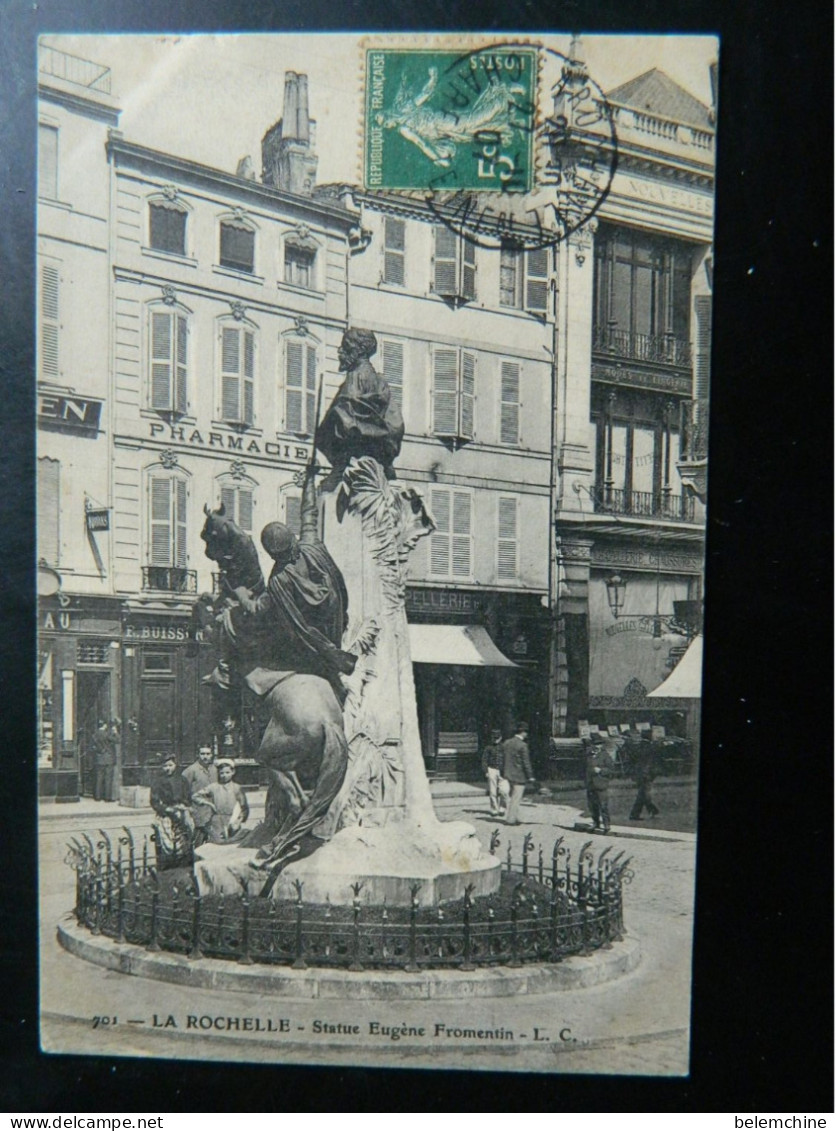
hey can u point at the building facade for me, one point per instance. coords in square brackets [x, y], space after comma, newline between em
[631, 389]
[555, 402]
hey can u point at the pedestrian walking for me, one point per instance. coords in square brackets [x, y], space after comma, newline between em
[644, 771]
[598, 771]
[516, 767]
[492, 769]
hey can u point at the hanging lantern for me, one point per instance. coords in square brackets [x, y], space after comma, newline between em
[616, 588]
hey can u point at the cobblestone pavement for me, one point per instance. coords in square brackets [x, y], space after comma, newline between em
[637, 1024]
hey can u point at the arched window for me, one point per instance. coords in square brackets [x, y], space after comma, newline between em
[300, 258]
[237, 494]
[168, 358]
[237, 243]
[167, 218]
[237, 365]
[167, 506]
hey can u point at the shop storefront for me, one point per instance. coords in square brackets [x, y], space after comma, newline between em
[79, 678]
[480, 662]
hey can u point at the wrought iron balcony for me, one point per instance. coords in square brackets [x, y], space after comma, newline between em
[645, 504]
[658, 349]
[71, 68]
[169, 579]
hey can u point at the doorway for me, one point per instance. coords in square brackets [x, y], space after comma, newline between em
[92, 707]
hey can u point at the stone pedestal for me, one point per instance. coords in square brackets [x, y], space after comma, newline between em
[381, 829]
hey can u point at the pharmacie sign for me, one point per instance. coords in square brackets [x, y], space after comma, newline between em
[224, 441]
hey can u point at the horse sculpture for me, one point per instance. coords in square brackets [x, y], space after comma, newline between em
[303, 745]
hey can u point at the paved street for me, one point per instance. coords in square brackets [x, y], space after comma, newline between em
[637, 1024]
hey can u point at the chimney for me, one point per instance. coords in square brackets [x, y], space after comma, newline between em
[287, 154]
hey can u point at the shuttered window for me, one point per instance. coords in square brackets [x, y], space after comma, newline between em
[300, 387]
[702, 362]
[394, 251]
[507, 539]
[168, 520]
[49, 356]
[537, 280]
[298, 266]
[48, 162]
[237, 374]
[237, 247]
[167, 229]
[454, 392]
[509, 408]
[238, 505]
[451, 543]
[454, 265]
[49, 510]
[392, 359]
[169, 334]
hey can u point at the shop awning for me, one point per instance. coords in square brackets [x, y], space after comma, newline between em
[465, 644]
[685, 681]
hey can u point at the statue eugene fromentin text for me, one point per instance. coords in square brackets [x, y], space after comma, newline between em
[324, 649]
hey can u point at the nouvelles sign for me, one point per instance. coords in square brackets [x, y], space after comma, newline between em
[61, 410]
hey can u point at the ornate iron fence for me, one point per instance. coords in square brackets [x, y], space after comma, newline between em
[549, 907]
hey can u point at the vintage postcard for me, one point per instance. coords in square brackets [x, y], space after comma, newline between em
[372, 400]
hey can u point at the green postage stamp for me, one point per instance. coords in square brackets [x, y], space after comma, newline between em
[438, 119]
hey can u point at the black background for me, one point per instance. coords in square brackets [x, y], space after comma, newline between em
[763, 978]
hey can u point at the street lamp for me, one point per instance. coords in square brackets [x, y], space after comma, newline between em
[616, 588]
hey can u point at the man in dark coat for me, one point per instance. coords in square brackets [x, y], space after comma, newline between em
[170, 797]
[598, 770]
[363, 420]
[104, 760]
[643, 769]
[516, 768]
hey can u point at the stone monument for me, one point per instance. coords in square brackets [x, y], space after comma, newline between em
[380, 832]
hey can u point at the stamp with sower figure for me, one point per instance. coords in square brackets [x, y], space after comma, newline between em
[505, 141]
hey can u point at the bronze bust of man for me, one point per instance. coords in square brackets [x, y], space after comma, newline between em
[362, 420]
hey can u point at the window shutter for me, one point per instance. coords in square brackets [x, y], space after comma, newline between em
[49, 320]
[445, 271]
[393, 368]
[49, 509]
[461, 534]
[48, 162]
[310, 389]
[468, 395]
[702, 362]
[230, 373]
[293, 386]
[245, 509]
[509, 424]
[394, 248]
[181, 388]
[180, 522]
[228, 495]
[440, 539]
[507, 540]
[249, 367]
[537, 280]
[445, 391]
[468, 269]
[161, 360]
[161, 521]
[293, 513]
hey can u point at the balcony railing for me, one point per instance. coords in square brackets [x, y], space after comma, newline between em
[660, 349]
[71, 68]
[645, 504]
[169, 579]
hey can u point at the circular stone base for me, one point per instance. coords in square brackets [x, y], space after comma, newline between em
[366, 985]
[441, 858]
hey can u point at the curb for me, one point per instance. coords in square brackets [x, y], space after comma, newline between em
[373, 985]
